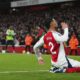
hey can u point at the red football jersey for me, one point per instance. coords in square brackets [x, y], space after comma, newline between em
[53, 46]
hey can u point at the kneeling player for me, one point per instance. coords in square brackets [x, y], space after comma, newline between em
[54, 41]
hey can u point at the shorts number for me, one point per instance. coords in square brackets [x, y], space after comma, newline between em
[52, 47]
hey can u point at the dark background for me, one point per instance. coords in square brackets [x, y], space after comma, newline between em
[6, 3]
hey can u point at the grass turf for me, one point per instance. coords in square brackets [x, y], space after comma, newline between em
[24, 62]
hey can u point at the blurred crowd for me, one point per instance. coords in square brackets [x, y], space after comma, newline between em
[32, 22]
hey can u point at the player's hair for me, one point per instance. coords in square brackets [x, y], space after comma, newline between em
[47, 22]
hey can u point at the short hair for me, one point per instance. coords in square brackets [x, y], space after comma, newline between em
[47, 22]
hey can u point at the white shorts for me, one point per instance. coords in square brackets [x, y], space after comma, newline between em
[61, 64]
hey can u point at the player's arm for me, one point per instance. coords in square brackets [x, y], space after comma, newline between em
[37, 52]
[8, 32]
[13, 33]
[64, 37]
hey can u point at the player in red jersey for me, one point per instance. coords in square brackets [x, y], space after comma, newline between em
[54, 41]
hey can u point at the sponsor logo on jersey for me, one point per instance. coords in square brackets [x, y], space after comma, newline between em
[49, 38]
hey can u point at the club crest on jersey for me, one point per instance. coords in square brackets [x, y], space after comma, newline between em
[49, 38]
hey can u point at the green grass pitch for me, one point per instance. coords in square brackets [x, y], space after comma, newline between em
[25, 67]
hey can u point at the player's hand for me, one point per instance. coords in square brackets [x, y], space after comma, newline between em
[40, 60]
[64, 25]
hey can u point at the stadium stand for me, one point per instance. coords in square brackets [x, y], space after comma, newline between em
[27, 20]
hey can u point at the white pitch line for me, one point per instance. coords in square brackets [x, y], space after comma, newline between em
[7, 72]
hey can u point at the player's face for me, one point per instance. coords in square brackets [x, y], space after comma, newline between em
[53, 24]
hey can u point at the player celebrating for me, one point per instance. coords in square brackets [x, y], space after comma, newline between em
[54, 41]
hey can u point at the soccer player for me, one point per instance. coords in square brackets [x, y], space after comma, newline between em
[54, 40]
[10, 38]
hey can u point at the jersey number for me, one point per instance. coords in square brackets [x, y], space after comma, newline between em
[52, 47]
